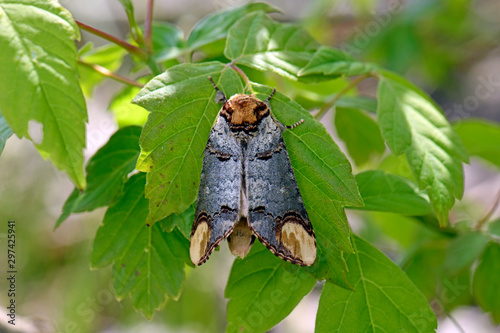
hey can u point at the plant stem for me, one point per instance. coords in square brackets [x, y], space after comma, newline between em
[148, 27]
[135, 32]
[129, 47]
[322, 111]
[488, 214]
[107, 73]
[242, 74]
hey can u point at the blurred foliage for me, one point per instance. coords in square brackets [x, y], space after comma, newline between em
[434, 42]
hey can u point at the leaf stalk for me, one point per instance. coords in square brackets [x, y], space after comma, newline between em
[105, 72]
[324, 109]
[127, 46]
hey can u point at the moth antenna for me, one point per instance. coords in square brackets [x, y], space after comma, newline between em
[295, 125]
[270, 96]
[220, 97]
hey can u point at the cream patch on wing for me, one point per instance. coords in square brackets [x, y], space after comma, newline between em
[300, 244]
[199, 241]
[240, 241]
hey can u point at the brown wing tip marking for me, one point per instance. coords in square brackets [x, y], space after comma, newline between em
[297, 238]
[299, 242]
[199, 240]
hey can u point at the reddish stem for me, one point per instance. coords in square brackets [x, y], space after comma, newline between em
[104, 71]
[148, 27]
[129, 47]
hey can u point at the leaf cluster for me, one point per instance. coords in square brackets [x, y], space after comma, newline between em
[147, 174]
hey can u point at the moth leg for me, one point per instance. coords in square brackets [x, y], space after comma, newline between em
[219, 97]
[269, 98]
[294, 125]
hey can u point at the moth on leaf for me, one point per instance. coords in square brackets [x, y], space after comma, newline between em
[247, 187]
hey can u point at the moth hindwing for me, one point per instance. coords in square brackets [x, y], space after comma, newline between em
[248, 189]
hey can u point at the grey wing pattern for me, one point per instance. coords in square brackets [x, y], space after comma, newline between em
[276, 212]
[218, 203]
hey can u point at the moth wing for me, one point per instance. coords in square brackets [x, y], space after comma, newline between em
[276, 211]
[217, 209]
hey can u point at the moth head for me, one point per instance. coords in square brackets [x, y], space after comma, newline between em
[244, 112]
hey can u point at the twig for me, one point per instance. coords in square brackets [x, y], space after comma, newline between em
[322, 111]
[242, 74]
[488, 213]
[129, 47]
[105, 72]
[148, 27]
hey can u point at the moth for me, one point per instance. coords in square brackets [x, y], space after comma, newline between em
[247, 188]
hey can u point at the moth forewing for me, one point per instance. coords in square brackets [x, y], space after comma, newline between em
[219, 193]
[248, 189]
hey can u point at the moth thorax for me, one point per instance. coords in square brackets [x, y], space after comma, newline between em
[244, 112]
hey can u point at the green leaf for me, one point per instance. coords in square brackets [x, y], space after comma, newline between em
[358, 102]
[183, 110]
[135, 31]
[183, 222]
[258, 42]
[383, 299]
[39, 81]
[494, 228]
[127, 4]
[109, 56]
[107, 171]
[480, 138]
[333, 62]
[126, 113]
[67, 208]
[412, 124]
[486, 284]
[424, 266]
[216, 26]
[168, 42]
[86, 48]
[262, 292]
[386, 192]
[464, 250]
[123, 221]
[360, 134]
[5, 132]
[330, 264]
[148, 263]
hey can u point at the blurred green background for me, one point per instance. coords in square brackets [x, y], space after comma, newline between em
[447, 47]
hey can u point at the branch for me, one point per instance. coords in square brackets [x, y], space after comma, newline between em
[334, 100]
[148, 27]
[242, 74]
[129, 47]
[488, 214]
[107, 73]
